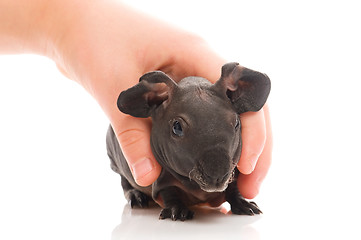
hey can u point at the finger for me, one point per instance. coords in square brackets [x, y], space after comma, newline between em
[208, 64]
[62, 70]
[253, 140]
[198, 59]
[249, 185]
[134, 139]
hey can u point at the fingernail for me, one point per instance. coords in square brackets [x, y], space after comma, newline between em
[142, 168]
[248, 166]
[252, 160]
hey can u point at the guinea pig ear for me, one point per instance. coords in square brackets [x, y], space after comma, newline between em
[247, 89]
[152, 90]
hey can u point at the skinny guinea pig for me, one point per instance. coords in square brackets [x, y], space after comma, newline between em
[196, 138]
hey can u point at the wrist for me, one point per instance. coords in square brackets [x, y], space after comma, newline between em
[61, 18]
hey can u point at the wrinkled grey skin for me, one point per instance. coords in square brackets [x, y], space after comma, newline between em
[199, 163]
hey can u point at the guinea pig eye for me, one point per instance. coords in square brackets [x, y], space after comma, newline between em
[237, 123]
[177, 129]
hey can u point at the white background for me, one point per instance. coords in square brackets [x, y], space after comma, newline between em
[55, 179]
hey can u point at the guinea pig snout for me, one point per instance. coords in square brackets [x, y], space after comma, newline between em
[215, 163]
[214, 170]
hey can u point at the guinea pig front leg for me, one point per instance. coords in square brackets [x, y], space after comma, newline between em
[174, 208]
[239, 205]
[134, 196]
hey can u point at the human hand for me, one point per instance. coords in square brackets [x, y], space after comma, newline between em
[109, 46]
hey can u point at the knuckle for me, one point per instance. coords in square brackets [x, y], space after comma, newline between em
[130, 138]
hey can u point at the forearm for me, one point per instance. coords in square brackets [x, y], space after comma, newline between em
[22, 26]
[77, 35]
[102, 44]
[36, 26]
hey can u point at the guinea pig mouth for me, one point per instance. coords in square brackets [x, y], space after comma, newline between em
[207, 184]
[214, 188]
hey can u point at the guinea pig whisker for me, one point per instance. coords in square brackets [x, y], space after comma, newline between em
[232, 177]
[190, 173]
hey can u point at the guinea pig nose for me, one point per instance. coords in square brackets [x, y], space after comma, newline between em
[223, 178]
[216, 164]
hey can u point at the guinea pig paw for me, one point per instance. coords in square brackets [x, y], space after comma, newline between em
[139, 199]
[176, 213]
[243, 207]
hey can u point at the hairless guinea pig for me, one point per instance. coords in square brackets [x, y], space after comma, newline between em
[196, 138]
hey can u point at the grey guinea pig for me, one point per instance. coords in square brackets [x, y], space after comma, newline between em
[195, 137]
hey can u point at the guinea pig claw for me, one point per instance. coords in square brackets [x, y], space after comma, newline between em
[243, 207]
[138, 199]
[254, 203]
[176, 213]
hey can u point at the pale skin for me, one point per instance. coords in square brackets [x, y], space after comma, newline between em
[106, 46]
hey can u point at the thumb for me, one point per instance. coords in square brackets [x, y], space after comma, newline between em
[134, 139]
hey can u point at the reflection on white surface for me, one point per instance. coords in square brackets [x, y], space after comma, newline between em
[289, 218]
[207, 224]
